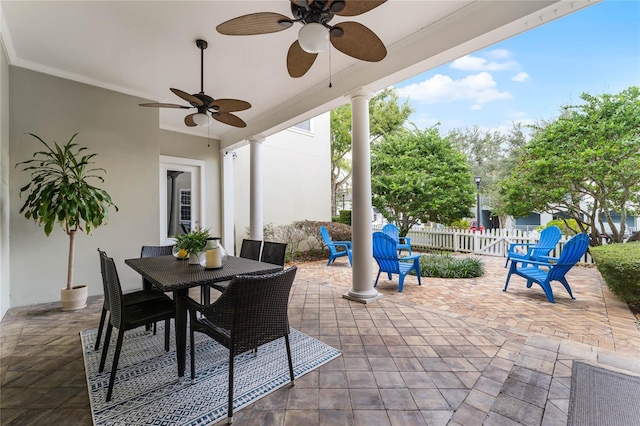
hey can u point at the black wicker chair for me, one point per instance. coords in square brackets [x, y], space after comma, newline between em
[274, 253]
[127, 317]
[129, 298]
[251, 249]
[252, 311]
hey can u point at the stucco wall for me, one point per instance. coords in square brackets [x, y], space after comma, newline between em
[128, 143]
[296, 171]
[4, 183]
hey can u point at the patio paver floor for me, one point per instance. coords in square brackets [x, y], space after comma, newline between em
[451, 352]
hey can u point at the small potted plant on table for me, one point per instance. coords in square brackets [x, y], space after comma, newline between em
[191, 244]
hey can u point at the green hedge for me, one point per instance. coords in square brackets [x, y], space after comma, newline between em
[345, 217]
[619, 265]
[445, 266]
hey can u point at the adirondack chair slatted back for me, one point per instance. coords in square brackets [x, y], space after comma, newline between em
[572, 251]
[549, 237]
[327, 240]
[385, 252]
[392, 230]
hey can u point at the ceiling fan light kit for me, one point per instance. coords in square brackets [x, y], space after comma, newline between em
[351, 38]
[201, 119]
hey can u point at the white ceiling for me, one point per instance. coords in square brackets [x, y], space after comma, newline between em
[143, 48]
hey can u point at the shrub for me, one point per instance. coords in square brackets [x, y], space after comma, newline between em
[345, 217]
[445, 266]
[335, 219]
[460, 224]
[619, 265]
[568, 227]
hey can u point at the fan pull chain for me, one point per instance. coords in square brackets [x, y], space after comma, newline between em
[330, 68]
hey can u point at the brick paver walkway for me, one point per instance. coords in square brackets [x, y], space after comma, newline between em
[450, 352]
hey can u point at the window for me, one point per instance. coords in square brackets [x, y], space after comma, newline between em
[305, 125]
[185, 206]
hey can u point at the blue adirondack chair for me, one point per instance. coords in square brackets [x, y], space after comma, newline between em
[571, 253]
[333, 247]
[401, 242]
[385, 252]
[549, 237]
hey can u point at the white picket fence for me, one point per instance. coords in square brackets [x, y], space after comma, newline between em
[491, 242]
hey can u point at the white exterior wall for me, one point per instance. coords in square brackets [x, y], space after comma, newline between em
[296, 177]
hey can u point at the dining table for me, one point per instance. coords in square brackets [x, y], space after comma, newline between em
[169, 274]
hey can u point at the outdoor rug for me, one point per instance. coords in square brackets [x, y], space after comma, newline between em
[603, 397]
[147, 390]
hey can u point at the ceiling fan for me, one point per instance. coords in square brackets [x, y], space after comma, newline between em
[351, 38]
[220, 109]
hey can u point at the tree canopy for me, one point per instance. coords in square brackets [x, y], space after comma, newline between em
[418, 176]
[387, 114]
[586, 165]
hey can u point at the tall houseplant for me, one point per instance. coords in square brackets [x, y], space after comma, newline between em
[59, 191]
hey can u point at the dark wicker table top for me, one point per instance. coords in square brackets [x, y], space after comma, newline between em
[168, 273]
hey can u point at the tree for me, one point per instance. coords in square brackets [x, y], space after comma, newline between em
[386, 115]
[586, 165]
[418, 176]
[492, 156]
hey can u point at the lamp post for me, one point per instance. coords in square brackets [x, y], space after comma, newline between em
[343, 194]
[477, 180]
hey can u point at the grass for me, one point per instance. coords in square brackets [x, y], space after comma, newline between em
[445, 266]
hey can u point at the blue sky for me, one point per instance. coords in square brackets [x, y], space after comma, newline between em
[530, 76]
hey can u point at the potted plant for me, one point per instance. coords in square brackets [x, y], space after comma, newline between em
[60, 191]
[192, 243]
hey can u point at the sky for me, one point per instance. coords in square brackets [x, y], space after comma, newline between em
[529, 77]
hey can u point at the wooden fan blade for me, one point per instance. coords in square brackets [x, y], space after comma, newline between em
[302, 3]
[358, 7]
[255, 23]
[187, 97]
[230, 105]
[230, 119]
[359, 42]
[161, 105]
[299, 61]
[188, 120]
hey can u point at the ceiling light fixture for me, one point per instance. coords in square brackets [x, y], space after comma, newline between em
[201, 119]
[313, 37]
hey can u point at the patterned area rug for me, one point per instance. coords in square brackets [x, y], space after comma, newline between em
[603, 397]
[147, 390]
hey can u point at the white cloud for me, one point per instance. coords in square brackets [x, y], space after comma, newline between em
[520, 77]
[499, 62]
[479, 88]
[516, 114]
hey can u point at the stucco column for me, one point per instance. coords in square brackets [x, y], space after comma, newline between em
[228, 239]
[255, 196]
[362, 289]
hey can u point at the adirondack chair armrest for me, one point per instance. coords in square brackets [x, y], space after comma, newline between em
[513, 245]
[548, 258]
[535, 262]
[412, 257]
[405, 240]
[344, 244]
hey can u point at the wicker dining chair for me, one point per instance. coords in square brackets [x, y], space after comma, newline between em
[131, 298]
[250, 249]
[126, 317]
[252, 311]
[274, 253]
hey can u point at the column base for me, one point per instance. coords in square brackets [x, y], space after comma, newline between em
[362, 297]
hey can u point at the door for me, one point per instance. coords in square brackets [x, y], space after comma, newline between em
[181, 196]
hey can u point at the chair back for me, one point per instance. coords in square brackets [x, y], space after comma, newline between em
[250, 249]
[114, 291]
[385, 252]
[155, 251]
[392, 230]
[549, 237]
[571, 253]
[273, 252]
[103, 273]
[327, 240]
[258, 307]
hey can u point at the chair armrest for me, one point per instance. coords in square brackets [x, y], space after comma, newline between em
[548, 258]
[412, 257]
[407, 240]
[512, 245]
[346, 244]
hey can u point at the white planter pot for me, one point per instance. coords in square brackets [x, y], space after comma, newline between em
[194, 259]
[74, 299]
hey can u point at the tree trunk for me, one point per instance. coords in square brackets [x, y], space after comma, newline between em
[72, 249]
